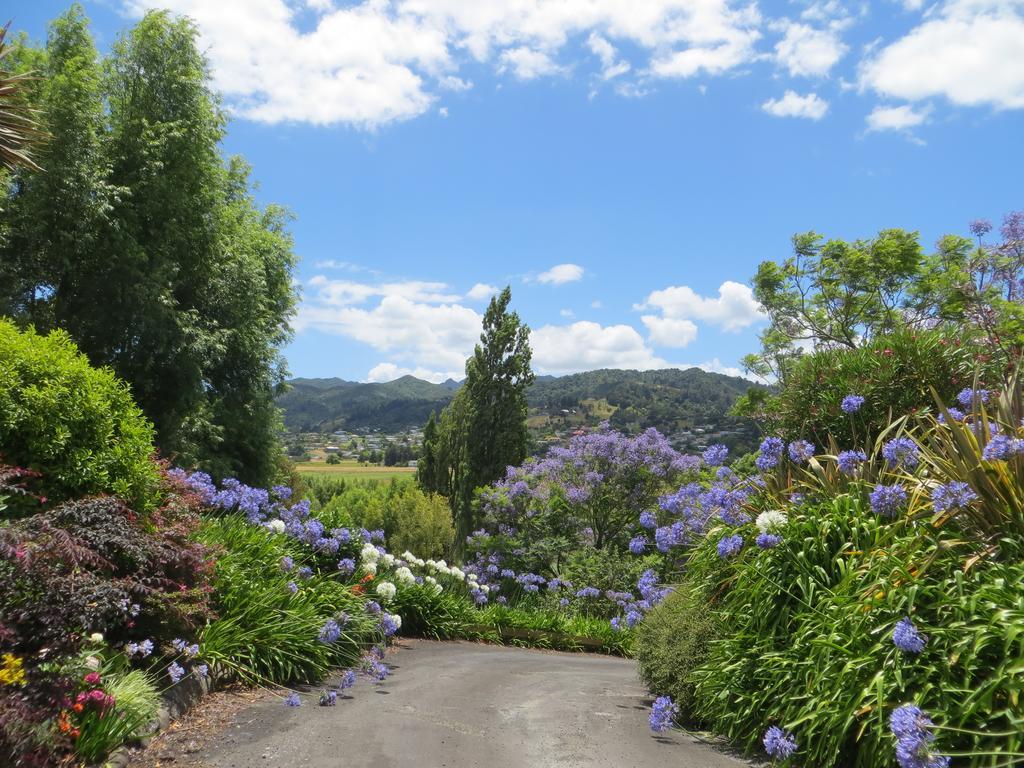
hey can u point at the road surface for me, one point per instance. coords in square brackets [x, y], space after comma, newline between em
[467, 705]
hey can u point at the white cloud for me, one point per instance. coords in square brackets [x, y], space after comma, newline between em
[596, 304]
[670, 331]
[898, 118]
[481, 291]
[792, 104]
[611, 65]
[372, 62]
[561, 274]
[969, 51]
[732, 310]
[417, 321]
[528, 64]
[384, 372]
[585, 346]
[567, 313]
[807, 51]
[443, 111]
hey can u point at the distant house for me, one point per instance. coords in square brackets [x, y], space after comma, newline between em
[331, 448]
[414, 463]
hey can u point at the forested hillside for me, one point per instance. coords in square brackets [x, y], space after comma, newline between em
[669, 400]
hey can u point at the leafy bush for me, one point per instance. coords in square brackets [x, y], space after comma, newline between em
[673, 640]
[894, 374]
[75, 424]
[426, 612]
[265, 631]
[136, 701]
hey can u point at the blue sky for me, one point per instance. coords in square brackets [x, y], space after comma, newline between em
[623, 165]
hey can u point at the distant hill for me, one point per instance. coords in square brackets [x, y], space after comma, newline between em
[684, 404]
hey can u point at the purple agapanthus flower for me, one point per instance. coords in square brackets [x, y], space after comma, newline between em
[914, 738]
[850, 461]
[967, 397]
[768, 540]
[330, 631]
[638, 544]
[952, 496]
[901, 452]
[907, 638]
[663, 714]
[729, 546]
[346, 566]
[648, 520]
[852, 403]
[175, 671]
[801, 451]
[770, 453]
[1002, 447]
[888, 500]
[292, 700]
[778, 744]
[328, 698]
[347, 680]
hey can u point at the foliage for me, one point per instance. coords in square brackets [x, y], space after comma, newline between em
[844, 294]
[410, 518]
[136, 702]
[75, 424]
[675, 639]
[426, 612]
[483, 430]
[147, 248]
[265, 632]
[18, 129]
[894, 374]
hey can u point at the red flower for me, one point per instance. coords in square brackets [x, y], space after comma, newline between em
[93, 678]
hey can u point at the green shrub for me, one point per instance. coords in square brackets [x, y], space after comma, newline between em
[807, 644]
[136, 703]
[893, 373]
[75, 424]
[672, 641]
[427, 613]
[265, 632]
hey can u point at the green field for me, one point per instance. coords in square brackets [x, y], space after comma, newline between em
[353, 471]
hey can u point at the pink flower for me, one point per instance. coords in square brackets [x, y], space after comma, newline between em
[93, 678]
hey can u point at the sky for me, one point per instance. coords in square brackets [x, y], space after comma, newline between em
[622, 165]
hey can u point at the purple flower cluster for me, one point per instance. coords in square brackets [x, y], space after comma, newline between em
[1002, 448]
[292, 700]
[907, 638]
[330, 631]
[888, 500]
[952, 496]
[663, 714]
[767, 540]
[901, 452]
[715, 455]
[638, 544]
[849, 461]
[914, 738]
[778, 744]
[968, 397]
[801, 451]
[729, 546]
[852, 403]
[770, 453]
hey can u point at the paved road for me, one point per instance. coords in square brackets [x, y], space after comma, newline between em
[464, 705]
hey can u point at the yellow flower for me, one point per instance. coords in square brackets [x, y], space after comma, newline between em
[11, 672]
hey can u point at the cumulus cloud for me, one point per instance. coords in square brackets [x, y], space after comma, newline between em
[670, 331]
[561, 274]
[808, 51]
[372, 62]
[416, 320]
[968, 51]
[585, 346]
[899, 118]
[384, 372]
[481, 291]
[732, 310]
[792, 104]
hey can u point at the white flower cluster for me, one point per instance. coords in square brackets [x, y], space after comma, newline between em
[410, 558]
[277, 526]
[438, 589]
[772, 520]
[396, 619]
[386, 590]
[404, 576]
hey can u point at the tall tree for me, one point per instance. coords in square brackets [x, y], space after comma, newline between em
[149, 249]
[426, 467]
[483, 430]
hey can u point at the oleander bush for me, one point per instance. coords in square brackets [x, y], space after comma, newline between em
[74, 424]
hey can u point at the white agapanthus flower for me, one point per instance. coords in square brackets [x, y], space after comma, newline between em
[438, 589]
[96, 637]
[409, 556]
[404, 575]
[277, 526]
[484, 588]
[369, 553]
[431, 566]
[388, 559]
[92, 662]
[772, 520]
[370, 568]
[441, 565]
[457, 573]
[386, 590]
[397, 619]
